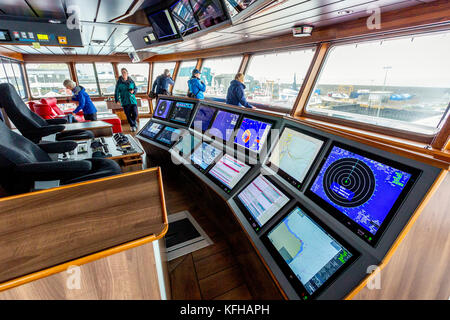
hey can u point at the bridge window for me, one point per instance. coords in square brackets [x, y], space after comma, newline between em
[11, 72]
[106, 78]
[275, 79]
[46, 79]
[139, 73]
[217, 75]
[184, 74]
[401, 83]
[159, 67]
[87, 78]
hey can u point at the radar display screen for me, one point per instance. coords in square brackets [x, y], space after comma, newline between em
[260, 201]
[204, 156]
[223, 125]
[203, 118]
[163, 108]
[252, 134]
[294, 154]
[151, 130]
[169, 136]
[360, 189]
[181, 112]
[228, 171]
[310, 256]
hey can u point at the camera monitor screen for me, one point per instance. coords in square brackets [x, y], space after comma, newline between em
[240, 5]
[184, 17]
[163, 25]
[310, 255]
[169, 136]
[294, 154]
[181, 112]
[208, 12]
[360, 189]
[163, 108]
[203, 118]
[252, 134]
[223, 125]
[151, 130]
[204, 156]
[228, 171]
[186, 144]
[261, 200]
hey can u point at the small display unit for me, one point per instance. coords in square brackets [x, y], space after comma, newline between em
[5, 36]
[163, 25]
[151, 130]
[309, 253]
[181, 112]
[169, 136]
[294, 154]
[162, 110]
[203, 118]
[227, 172]
[204, 156]
[260, 201]
[252, 134]
[223, 125]
[209, 12]
[360, 189]
[186, 144]
[184, 17]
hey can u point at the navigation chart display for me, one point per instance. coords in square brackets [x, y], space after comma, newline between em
[252, 134]
[223, 125]
[307, 251]
[182, 112]
[360, 190]
[294, 154]
[151, 130]
[169, 136]
[203, 118]
[163, 108]
[229, 171]
[204, 156]
[262, 200]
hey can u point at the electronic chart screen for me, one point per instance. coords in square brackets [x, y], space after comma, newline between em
[223, 125]
[151, 130]
[361, 190]
[252, 134]
[186, 144]
[228, 171]
[204, 156]
[310, 256]
[181, 112]
[260, 201]
[203, 118]
[294, 154]
[169, 136]
[163, 109]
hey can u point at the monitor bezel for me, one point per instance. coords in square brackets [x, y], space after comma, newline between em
[169, 113]
[287, 177]
[170, 145]
[167, 38]
[289, 273]
[353, 226]
[186, 124]
[215, 138]
[250, 219]
[197, 166]
[244, 149]
[149, 124]
[199, 105]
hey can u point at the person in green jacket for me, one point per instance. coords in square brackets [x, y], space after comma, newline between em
[125, 93]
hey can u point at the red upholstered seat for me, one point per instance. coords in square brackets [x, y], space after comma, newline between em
[45, 111]
[31, 105]
[112, 119]
[52, 103]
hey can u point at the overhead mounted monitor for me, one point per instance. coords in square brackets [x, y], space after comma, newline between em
[181, 112]
[203, 118]
[260, 201]
[209, 12]
[204, 156]
[252, 134]
[223, 125]
[163, 25]
[294, 154]
[151, 130]
[228, 171]
[5, 36]
[169, 136]
[184, 17]
[360, 189]
[163, 108]
[239, 5]
[309, 254]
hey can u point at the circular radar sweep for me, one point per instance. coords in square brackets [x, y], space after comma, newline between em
[349, 182]
[162, 108]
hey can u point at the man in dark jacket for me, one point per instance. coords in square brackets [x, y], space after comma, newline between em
[85, 103]
[162, 82]
[235, 94]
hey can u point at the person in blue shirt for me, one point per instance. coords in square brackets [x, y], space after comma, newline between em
[196, 86]
[235, 93]
[84, 101]
[162, 82]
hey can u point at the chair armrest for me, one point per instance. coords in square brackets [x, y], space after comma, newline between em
[53, 170]
[56, 121]
[45, 131]
[58, 147]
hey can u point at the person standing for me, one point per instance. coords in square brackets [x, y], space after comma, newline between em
[236, 94]
[125, 93]
[196, 86]
[162, 82]
[85, 103]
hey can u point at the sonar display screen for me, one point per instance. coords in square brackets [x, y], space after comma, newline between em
[169, 136]
[163, 108]
[223, 125]
[182, 112]
[204, 155]
[360, 189]
[252, 134]
[307, 251]
[203, 118]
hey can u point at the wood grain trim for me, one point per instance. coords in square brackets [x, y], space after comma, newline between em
[244, 63]
[175, 74]
[402, 234]
[58, 58]
[441, 140]
[8, 53]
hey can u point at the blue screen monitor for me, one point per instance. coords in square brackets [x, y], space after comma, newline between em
[181, 112]
[203, 118]
[163, 108]
[151, 130]
[223, 125]
[361, 190]
[309, 254]
[252, 134]
[204, 156]
[169, 136]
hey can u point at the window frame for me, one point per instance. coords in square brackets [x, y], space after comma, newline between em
[22, 75]
[28, 78]
[179, 63]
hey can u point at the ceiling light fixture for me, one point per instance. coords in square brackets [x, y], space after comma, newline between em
[54, 21]
[302, 31]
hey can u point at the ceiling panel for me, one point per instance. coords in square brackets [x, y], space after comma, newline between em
[110, 9]
[88, 8]
[48, 9]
